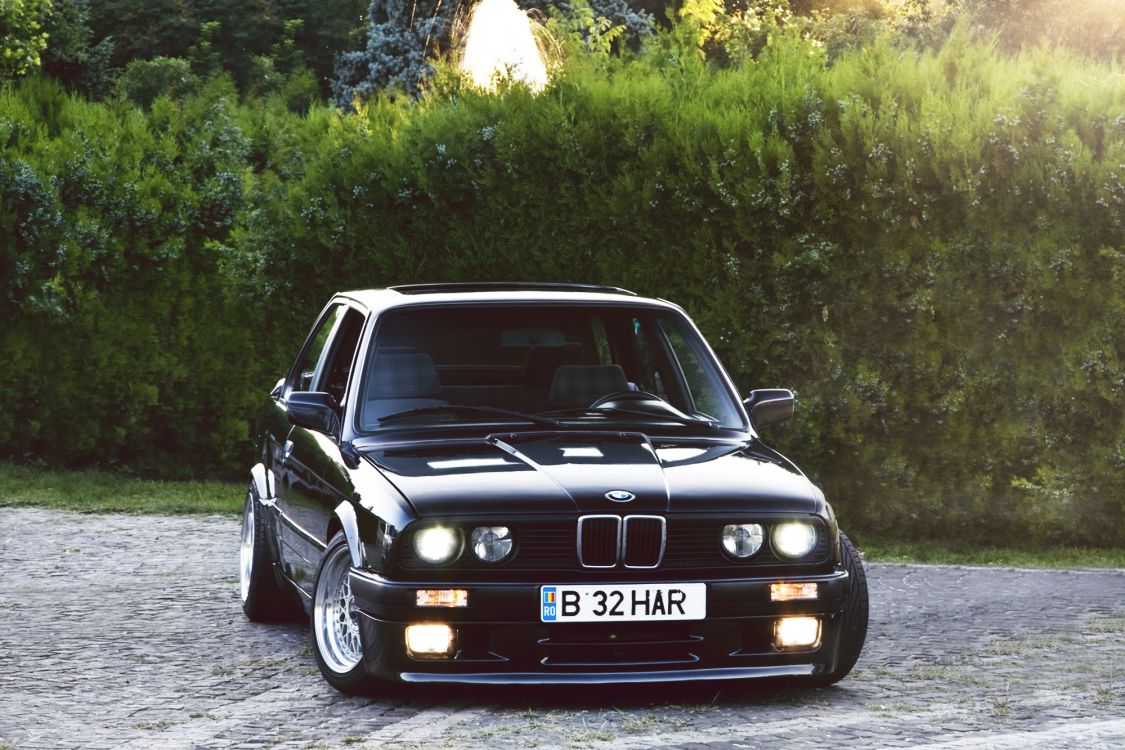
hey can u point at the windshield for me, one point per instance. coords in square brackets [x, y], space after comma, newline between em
[615, 365]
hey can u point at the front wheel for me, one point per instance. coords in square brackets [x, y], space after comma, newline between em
[335, 627]
[853, 626]
[263, 599]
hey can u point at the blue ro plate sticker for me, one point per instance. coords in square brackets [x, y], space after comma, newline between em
[549, 604]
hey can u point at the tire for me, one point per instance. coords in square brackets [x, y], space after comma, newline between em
[263, 598]
[853, 626]
[335, 635]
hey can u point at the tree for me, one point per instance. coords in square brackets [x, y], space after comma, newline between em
[143, 29]
[143, 81]
[402, 36]
[399, 37]
[22, 37]
[71, 56]
[330, 27]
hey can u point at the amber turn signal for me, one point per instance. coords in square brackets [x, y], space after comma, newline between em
[787, 592]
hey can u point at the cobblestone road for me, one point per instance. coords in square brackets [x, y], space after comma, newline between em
[126, 632]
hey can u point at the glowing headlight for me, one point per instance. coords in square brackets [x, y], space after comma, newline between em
[491, 544]
[743, 540]
[794, 539]
[436, 545]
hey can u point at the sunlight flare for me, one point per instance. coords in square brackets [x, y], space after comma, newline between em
[500, 44]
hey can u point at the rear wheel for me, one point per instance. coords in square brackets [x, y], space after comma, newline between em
[263, 599]
[853, 626]
[335, 628]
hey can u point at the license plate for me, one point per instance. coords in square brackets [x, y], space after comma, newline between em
[593, 603]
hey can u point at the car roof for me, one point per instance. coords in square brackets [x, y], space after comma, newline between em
[377, 300]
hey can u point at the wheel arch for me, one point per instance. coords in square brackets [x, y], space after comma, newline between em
[261, 479]
[344, 519]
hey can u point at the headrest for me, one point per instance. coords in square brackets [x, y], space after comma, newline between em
[541, 362]
[403, 374]
[582, 385]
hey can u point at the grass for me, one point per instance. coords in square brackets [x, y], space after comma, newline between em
[105, 492]
[1000, 705]
[967, 554]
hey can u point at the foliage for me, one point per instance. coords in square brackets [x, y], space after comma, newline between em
[22, 37]
[926, 243]
[144, 80]
[582, 32]
[399, 38]
[233, 37]
[634, 19]
[120, 335]
[71, 56]
[403, 39]
[1092, 27]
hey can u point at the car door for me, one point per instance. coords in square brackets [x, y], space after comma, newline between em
[305, 495]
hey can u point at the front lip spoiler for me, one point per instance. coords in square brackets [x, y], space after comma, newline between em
[605, 678]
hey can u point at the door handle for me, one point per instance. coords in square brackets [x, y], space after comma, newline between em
[287, 451]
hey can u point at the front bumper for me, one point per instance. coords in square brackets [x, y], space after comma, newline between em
[500, 639]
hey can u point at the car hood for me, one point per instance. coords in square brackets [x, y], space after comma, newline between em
[565, 473]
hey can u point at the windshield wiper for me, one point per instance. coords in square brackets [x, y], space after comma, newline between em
[463, 409]
[581, 411]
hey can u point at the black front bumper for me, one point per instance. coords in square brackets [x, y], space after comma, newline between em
[500, 639]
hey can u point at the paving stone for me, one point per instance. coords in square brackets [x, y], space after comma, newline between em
[126, 632]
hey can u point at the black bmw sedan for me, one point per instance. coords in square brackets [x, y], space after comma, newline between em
[538, 483]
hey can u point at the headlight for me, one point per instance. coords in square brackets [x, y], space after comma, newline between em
[436, 545]
[794, 539]
[491, 544]
[743, 539]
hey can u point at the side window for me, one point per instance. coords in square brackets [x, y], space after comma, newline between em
[339, 363]
[696, 377]
[304, 376]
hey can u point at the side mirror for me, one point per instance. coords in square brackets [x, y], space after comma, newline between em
[768, 406]
[314, 411]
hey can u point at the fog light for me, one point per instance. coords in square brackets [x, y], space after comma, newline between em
[796, 632]
[429, 641]
[787, 592]
[442, 598]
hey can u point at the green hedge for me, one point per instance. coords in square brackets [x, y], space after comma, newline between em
[926, 246]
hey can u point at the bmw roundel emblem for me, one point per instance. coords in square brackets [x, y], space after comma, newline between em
[619, 496]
